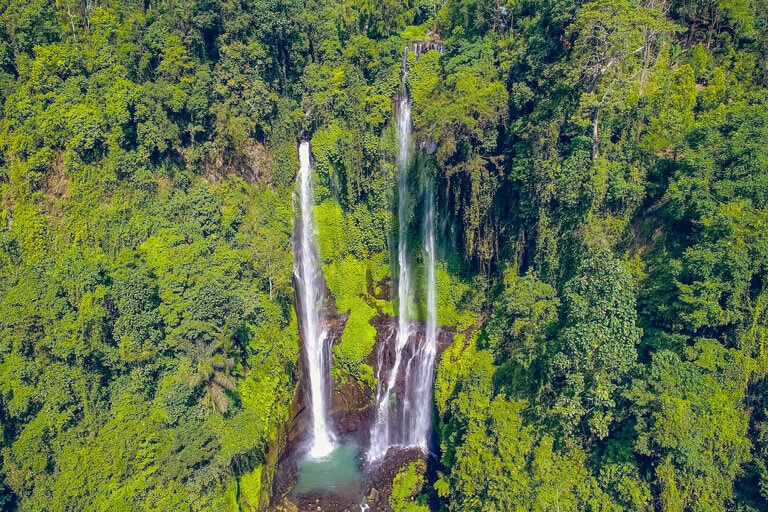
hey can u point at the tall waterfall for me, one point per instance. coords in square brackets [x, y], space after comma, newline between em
[420, 370]
[310, 301]
[404, 420]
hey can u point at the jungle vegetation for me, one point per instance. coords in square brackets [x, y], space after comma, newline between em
[602, 178]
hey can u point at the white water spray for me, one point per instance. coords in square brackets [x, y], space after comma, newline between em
[310, 296]
[380, 436]
[405, 420]
[420, 370]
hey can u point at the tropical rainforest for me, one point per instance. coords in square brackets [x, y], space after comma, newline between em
[601, 177]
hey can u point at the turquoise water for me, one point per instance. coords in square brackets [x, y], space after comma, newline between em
[337, 473]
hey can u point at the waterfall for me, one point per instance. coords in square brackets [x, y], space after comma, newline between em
[418, 383]
[405, 420]
[310, 301]
[422, 47]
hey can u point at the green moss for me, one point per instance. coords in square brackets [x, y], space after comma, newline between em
[459, 361]
[227, 502]
[250, 489]
[423, 81]
[333, 232]
[406, 486]
[348, 279]
[418, 31]
[356, 342]
[348, 284]
[456, 299]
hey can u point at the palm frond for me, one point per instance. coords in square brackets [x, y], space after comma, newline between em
[225, 381]
[219, 398]
[219, 362]
[206, 367]
[196, 379]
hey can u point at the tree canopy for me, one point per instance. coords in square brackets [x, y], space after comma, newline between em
[601, 178]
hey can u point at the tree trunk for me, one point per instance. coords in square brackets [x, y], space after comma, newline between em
[595, 137]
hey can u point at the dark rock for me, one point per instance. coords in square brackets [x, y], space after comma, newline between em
[381, 474]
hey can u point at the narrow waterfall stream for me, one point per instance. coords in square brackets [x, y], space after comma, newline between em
[331, 466]
[310, 298]
[421, 366]
[405, 420]
[381, 437]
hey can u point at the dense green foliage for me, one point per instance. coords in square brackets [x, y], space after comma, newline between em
[623, 362]
[602, 181]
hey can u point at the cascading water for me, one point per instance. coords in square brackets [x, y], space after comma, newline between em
[420, 370]
[413, 410]
[310, 298]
